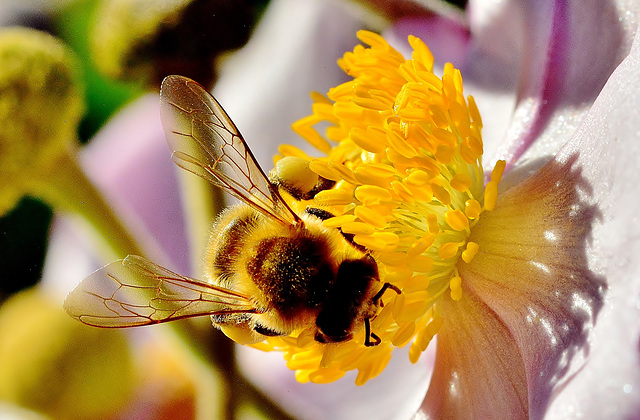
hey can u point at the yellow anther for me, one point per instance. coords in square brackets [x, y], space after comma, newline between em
[421, 264]
[457, 220]
[498, 170]
[421, 53]
[400, 145]
[432, 221]
[336, 222]
[372, 139]
[372, 194]
[333, 197]
[418, 177]
[345, 173]
[461, 182]
[304, 128]
[473, 111]
[323, 169]
[448, 250]
[421, 245]
[444, 154]
[370, 216]
[470, 252]
[358, 228]
[490, 195]
[379, 241]
[441, 194]
[472, 208]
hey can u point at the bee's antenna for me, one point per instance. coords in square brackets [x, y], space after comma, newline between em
[385, 286]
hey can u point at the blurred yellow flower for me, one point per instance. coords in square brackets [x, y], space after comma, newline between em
[60, 367]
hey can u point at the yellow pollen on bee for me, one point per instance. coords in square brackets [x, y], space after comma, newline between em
[404, 147]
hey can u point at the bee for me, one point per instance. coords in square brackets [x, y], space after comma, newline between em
[271, 271]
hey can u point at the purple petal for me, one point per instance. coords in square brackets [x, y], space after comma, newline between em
[576, 45]
[266, 85]
[129, 161]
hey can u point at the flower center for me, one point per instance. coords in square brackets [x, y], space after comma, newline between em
[404, 148]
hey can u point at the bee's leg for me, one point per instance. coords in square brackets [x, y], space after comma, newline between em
[385, 286]
[369, 335]
[319, 213]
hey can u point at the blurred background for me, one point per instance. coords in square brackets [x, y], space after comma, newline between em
[123, 50]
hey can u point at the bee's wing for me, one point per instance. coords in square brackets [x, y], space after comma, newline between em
[206, 142]
[135, 291]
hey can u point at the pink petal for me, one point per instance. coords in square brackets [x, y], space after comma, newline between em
[395, 394]
[266, 85]
[478, 371]
[575, 317]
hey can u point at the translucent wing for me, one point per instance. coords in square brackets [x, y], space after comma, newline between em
[205, 141]
[135, 291]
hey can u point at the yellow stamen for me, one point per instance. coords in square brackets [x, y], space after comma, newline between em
[409, 187]
[470, 252]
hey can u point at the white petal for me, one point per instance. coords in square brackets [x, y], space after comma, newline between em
[570, 50]
[395, 394]
[608, 146]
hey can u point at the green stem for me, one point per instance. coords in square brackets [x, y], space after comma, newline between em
[67, 188]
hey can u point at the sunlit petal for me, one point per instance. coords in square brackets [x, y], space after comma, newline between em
[607, 145]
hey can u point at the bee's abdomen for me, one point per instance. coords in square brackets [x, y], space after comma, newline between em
[293, 272]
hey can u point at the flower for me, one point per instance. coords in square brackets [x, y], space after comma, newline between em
[541, 103]
[404, 148]
[59, 367]
[605, 138]
[556, 121]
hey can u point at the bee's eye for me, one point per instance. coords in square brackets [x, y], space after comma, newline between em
[260, 329]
